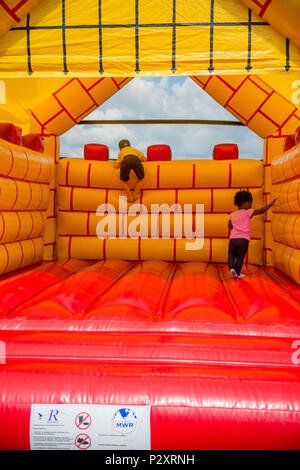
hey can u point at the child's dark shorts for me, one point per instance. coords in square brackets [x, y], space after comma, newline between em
[131, 162]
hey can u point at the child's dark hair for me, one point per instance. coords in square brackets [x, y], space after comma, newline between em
[241, 197]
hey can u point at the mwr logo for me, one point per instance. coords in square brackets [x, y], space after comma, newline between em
[125, 420]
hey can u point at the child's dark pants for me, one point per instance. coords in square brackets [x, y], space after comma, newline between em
[237, 250]
[131, 162]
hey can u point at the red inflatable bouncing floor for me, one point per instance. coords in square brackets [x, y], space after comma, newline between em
[215, 359]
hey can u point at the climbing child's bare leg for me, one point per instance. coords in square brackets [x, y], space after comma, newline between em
[137, 190]
[127, 190]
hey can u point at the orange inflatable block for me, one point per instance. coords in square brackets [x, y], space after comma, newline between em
[214, 200]
[17, 255]
[23, 195]
[16, 226]
[287, 166]
[24, 164]
[286, 229]
[287, 260]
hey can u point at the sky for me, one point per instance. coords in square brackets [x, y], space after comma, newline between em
[162, 98]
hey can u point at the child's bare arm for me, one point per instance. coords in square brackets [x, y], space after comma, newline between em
[264, 209]
[118, 162]
[230, 226]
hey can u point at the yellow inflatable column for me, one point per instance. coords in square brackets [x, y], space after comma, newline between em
[273, 147]
[52, 150]
[71, 102]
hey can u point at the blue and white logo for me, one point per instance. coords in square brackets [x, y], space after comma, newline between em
[124, 421]
[50, 416]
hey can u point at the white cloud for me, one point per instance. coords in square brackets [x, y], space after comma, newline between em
[162, 98]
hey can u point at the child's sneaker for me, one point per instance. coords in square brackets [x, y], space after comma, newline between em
[233, 274]
[241, 276]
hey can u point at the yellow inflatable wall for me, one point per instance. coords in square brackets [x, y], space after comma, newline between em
[58, 64]
[84, 185]
[24, 200]
[286, 217]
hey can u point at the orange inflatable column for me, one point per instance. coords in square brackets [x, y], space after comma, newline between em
[273, 148]
[52, 150]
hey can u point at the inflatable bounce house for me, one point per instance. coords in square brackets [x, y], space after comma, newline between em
[146, 342]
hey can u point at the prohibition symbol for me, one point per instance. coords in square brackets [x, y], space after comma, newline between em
[83, 420]
[83, 441]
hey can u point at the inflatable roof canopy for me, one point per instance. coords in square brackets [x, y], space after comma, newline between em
[52, 41]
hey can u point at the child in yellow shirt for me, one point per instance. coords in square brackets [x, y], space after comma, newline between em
[130, 159]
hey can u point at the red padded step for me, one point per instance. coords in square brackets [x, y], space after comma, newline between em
[11, 133]
[98, 152]
[159, 153]
[226, 152]
[33, 142]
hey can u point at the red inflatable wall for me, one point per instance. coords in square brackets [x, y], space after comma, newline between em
[215, 360]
